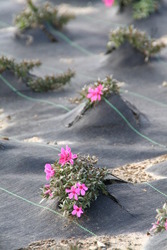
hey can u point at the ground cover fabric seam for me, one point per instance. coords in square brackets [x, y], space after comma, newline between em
[156, 189]
[46, 208]
[129, 125]
[70, 42]
[30, 98]
[143, 97]
[57, 213]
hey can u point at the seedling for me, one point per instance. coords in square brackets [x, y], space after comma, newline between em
[141, 8]
[138, 39]
[41, 17]
[37, 84]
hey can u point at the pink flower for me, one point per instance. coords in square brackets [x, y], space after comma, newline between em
[165, 225]
[73, 192]
[92, 94]
[77, 211]
[66, 156]
[82, 188]
[49, 171]
[108, 3]
[99, 91]
[155, 225]
[95, 94]
[48, 191]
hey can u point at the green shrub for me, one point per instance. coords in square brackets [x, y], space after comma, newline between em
[37, 84]
[137, 38]
[66, 175]
[40, 16]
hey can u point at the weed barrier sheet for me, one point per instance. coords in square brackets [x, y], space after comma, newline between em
[26, 115]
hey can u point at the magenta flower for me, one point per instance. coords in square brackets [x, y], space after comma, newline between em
[99, 91]
[49, 171]
[82, 188]
[95, 94]
[108, 3]
[66, 156]
[92, 95]
[77, 211]
[73, 192]
[165, 225]
[49, 192]
[155, 225]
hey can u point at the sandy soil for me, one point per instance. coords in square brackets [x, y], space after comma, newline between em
[133, 241]
[4, 120]
[33, 139]
[137, 172]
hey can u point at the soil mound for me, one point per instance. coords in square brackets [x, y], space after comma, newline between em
[103, 120]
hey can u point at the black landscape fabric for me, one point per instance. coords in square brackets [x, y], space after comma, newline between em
[100, 131]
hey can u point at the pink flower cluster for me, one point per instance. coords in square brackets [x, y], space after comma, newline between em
[48, 191]
[155, 225]
[66, 156]
[74, 192]
[78, 189]
[108, 3]
[49, 171]
[95, 94]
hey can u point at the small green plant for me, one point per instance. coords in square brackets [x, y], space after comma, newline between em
[141, 8]
[94, 93]
[144, 8]
[137, 38]
[101, 88]
[40, 16]
[37, 84]
[161, 220]
[75, 181]
[44, 84]
[21, 70]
